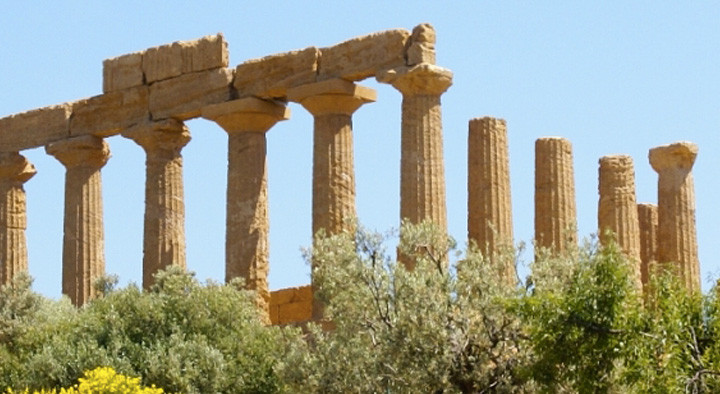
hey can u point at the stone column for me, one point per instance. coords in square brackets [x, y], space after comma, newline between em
[555, 213]
[332, 104]
[648, 223]
[489, 203]
[15, 170]
[83, 240]
[246, 239]
[164, 229]
[617, 209]
[676, 209]
[422, 172]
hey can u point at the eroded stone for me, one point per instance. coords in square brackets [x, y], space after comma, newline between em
[271, 76]
[182, 57]
[365, 56]
[184, 97]
[34, 128]
[108, 114]
[123, 72]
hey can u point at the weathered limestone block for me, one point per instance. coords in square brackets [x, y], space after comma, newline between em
[110, 113]
[184, 97]
[34, 128]
[182, 57]
[271, 76]
[246, 244]
[164, 229]
[15, 170]
[365, 56]
[422, 170]
[123, 72]
[489, 202]
[83, 240]
[421, 46]
[555, 212]
[648, 222]
[677, 239]
[617, 209]
[293, 305]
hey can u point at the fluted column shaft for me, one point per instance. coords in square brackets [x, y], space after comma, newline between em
[489, 202]
[555, 212]
[648, 224]
[332, 104]
[83, 240]
[164, 228]
[617, 208]
[246, 243]
[677, 239]
[15, 170]
[422, 170]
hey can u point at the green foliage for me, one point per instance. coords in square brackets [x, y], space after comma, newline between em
[431, 329]
[101, 380]
[181, 335]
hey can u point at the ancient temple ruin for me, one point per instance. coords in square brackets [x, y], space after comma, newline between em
[148, 95]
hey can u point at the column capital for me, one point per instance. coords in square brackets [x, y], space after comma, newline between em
[165, 135]
[333, 96]
[83, 151]
[15, 167]
[422, 79]
[678, 156]
[249, 114]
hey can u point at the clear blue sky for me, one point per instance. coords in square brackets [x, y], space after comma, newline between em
[613, 77]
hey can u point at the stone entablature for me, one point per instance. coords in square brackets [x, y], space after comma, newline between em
[148, 95]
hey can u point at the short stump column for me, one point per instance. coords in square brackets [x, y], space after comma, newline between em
[648, 222]
[489, 202]
[555, 212]
[677, 239]
[83, 239]
[164, 228]
[617, 209]
[15, 170]
[246, 244]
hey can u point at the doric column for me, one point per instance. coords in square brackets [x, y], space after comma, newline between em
[617, 209]
[676, 209]
[422, 173]
[15, 170]
[246, 239]
[164, 231]
[555, 214]
[489, 204]
[332, 104]
[648, 223]
[83, 240]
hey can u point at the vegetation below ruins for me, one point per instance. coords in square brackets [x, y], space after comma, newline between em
[575, 324]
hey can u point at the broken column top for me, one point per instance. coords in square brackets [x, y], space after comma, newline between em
[679, 155]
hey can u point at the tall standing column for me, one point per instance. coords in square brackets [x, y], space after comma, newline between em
[332, 104]
[246, 239]
[422, 171]
[617, 209]
[83, 240]
[489, 203]
[676, 209]
[648, 222]
[15, 170]
[164, 229]
[555, 212]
